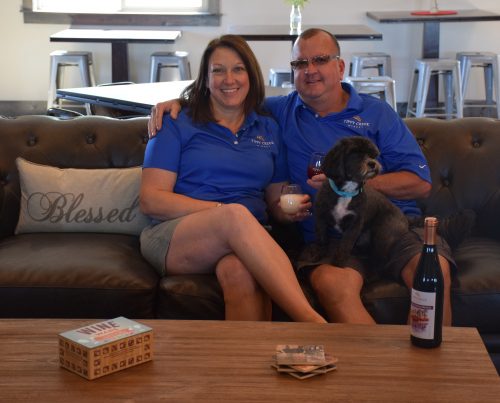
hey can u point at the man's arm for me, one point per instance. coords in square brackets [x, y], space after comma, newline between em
[406, 174]
[172, 106]
[402, 185]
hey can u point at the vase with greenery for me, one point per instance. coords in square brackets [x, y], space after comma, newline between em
[296, 15]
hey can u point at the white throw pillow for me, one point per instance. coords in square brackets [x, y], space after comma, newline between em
[79, 200]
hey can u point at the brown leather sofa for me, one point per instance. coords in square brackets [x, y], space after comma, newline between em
[87, 275]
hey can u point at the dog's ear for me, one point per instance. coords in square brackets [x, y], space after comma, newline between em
[369, 148]
[333, 165]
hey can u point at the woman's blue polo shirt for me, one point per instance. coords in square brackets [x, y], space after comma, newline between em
[212, 163]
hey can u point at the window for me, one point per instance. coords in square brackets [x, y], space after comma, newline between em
[116, 6]
[123, 12]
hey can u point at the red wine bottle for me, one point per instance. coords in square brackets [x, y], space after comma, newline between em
[426, 311]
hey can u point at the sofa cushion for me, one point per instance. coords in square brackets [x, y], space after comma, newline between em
[190, 296]
[75, 275]
[79, 200]
[476, 288]
[387, 301]
[196, 296]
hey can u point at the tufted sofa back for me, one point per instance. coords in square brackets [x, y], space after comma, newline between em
[88, 142]
[463, 154]
[464, 158]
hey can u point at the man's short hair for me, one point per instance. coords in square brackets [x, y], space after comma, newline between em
[309, 33]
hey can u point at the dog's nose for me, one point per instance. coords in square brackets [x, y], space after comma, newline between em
[371, 164]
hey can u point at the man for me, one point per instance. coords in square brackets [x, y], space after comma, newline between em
[321, 111]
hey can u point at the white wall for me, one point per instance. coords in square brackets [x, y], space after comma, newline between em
[24, 68]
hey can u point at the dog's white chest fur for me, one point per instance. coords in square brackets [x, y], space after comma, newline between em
[341, 208]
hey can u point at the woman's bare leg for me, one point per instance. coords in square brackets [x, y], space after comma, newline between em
[202, 238]
[244, 298]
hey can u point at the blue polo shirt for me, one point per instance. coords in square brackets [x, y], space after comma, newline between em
[214, 164]
[305, 132]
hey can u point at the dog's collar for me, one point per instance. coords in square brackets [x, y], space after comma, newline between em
[342, 193]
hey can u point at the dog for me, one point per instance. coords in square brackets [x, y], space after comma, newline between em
[347, 205]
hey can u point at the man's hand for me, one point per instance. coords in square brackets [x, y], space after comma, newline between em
[156, 118]
[316, 181]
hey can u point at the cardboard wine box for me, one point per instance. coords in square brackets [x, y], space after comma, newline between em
[103, 348]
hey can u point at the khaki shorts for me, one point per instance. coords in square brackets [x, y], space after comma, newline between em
[408, 247]
[155, 241]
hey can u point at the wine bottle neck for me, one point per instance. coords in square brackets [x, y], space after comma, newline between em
[430, 227]
[429, 249]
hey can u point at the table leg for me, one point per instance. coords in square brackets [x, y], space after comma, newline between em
[119, 62]
[430, 50]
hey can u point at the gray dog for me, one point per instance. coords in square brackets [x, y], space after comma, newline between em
[345, 204]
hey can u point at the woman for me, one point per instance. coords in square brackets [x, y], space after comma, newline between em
[204, 181]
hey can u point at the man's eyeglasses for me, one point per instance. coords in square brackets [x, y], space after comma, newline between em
[320, 60]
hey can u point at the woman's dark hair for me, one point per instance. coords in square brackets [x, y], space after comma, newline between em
[196, 96]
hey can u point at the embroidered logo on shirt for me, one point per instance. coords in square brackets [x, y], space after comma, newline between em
[260, 141]
[356, 122]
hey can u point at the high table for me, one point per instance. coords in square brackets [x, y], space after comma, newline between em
[430, 43]
[119, 39]
[283, 33]
[223, 361]
[138, 98]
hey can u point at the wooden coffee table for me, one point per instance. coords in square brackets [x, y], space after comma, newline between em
[212, 361]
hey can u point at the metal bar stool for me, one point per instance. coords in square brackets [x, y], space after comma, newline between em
[61, 59]
[449, 70]
[383, 87]
[278, 77]
[488, 61]
[178, 59]
[370, 60]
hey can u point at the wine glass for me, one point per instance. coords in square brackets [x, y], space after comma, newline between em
[290, 199]
[314, 166]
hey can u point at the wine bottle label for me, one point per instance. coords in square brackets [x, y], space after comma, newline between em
[422, 315]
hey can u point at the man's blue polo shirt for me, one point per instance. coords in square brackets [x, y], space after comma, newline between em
[305, 132]
[213, 164]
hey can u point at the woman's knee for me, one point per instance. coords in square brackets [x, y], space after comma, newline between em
[236, 216]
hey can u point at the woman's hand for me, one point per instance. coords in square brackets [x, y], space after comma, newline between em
[156, 118]
[272, 195]
[303, 212]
